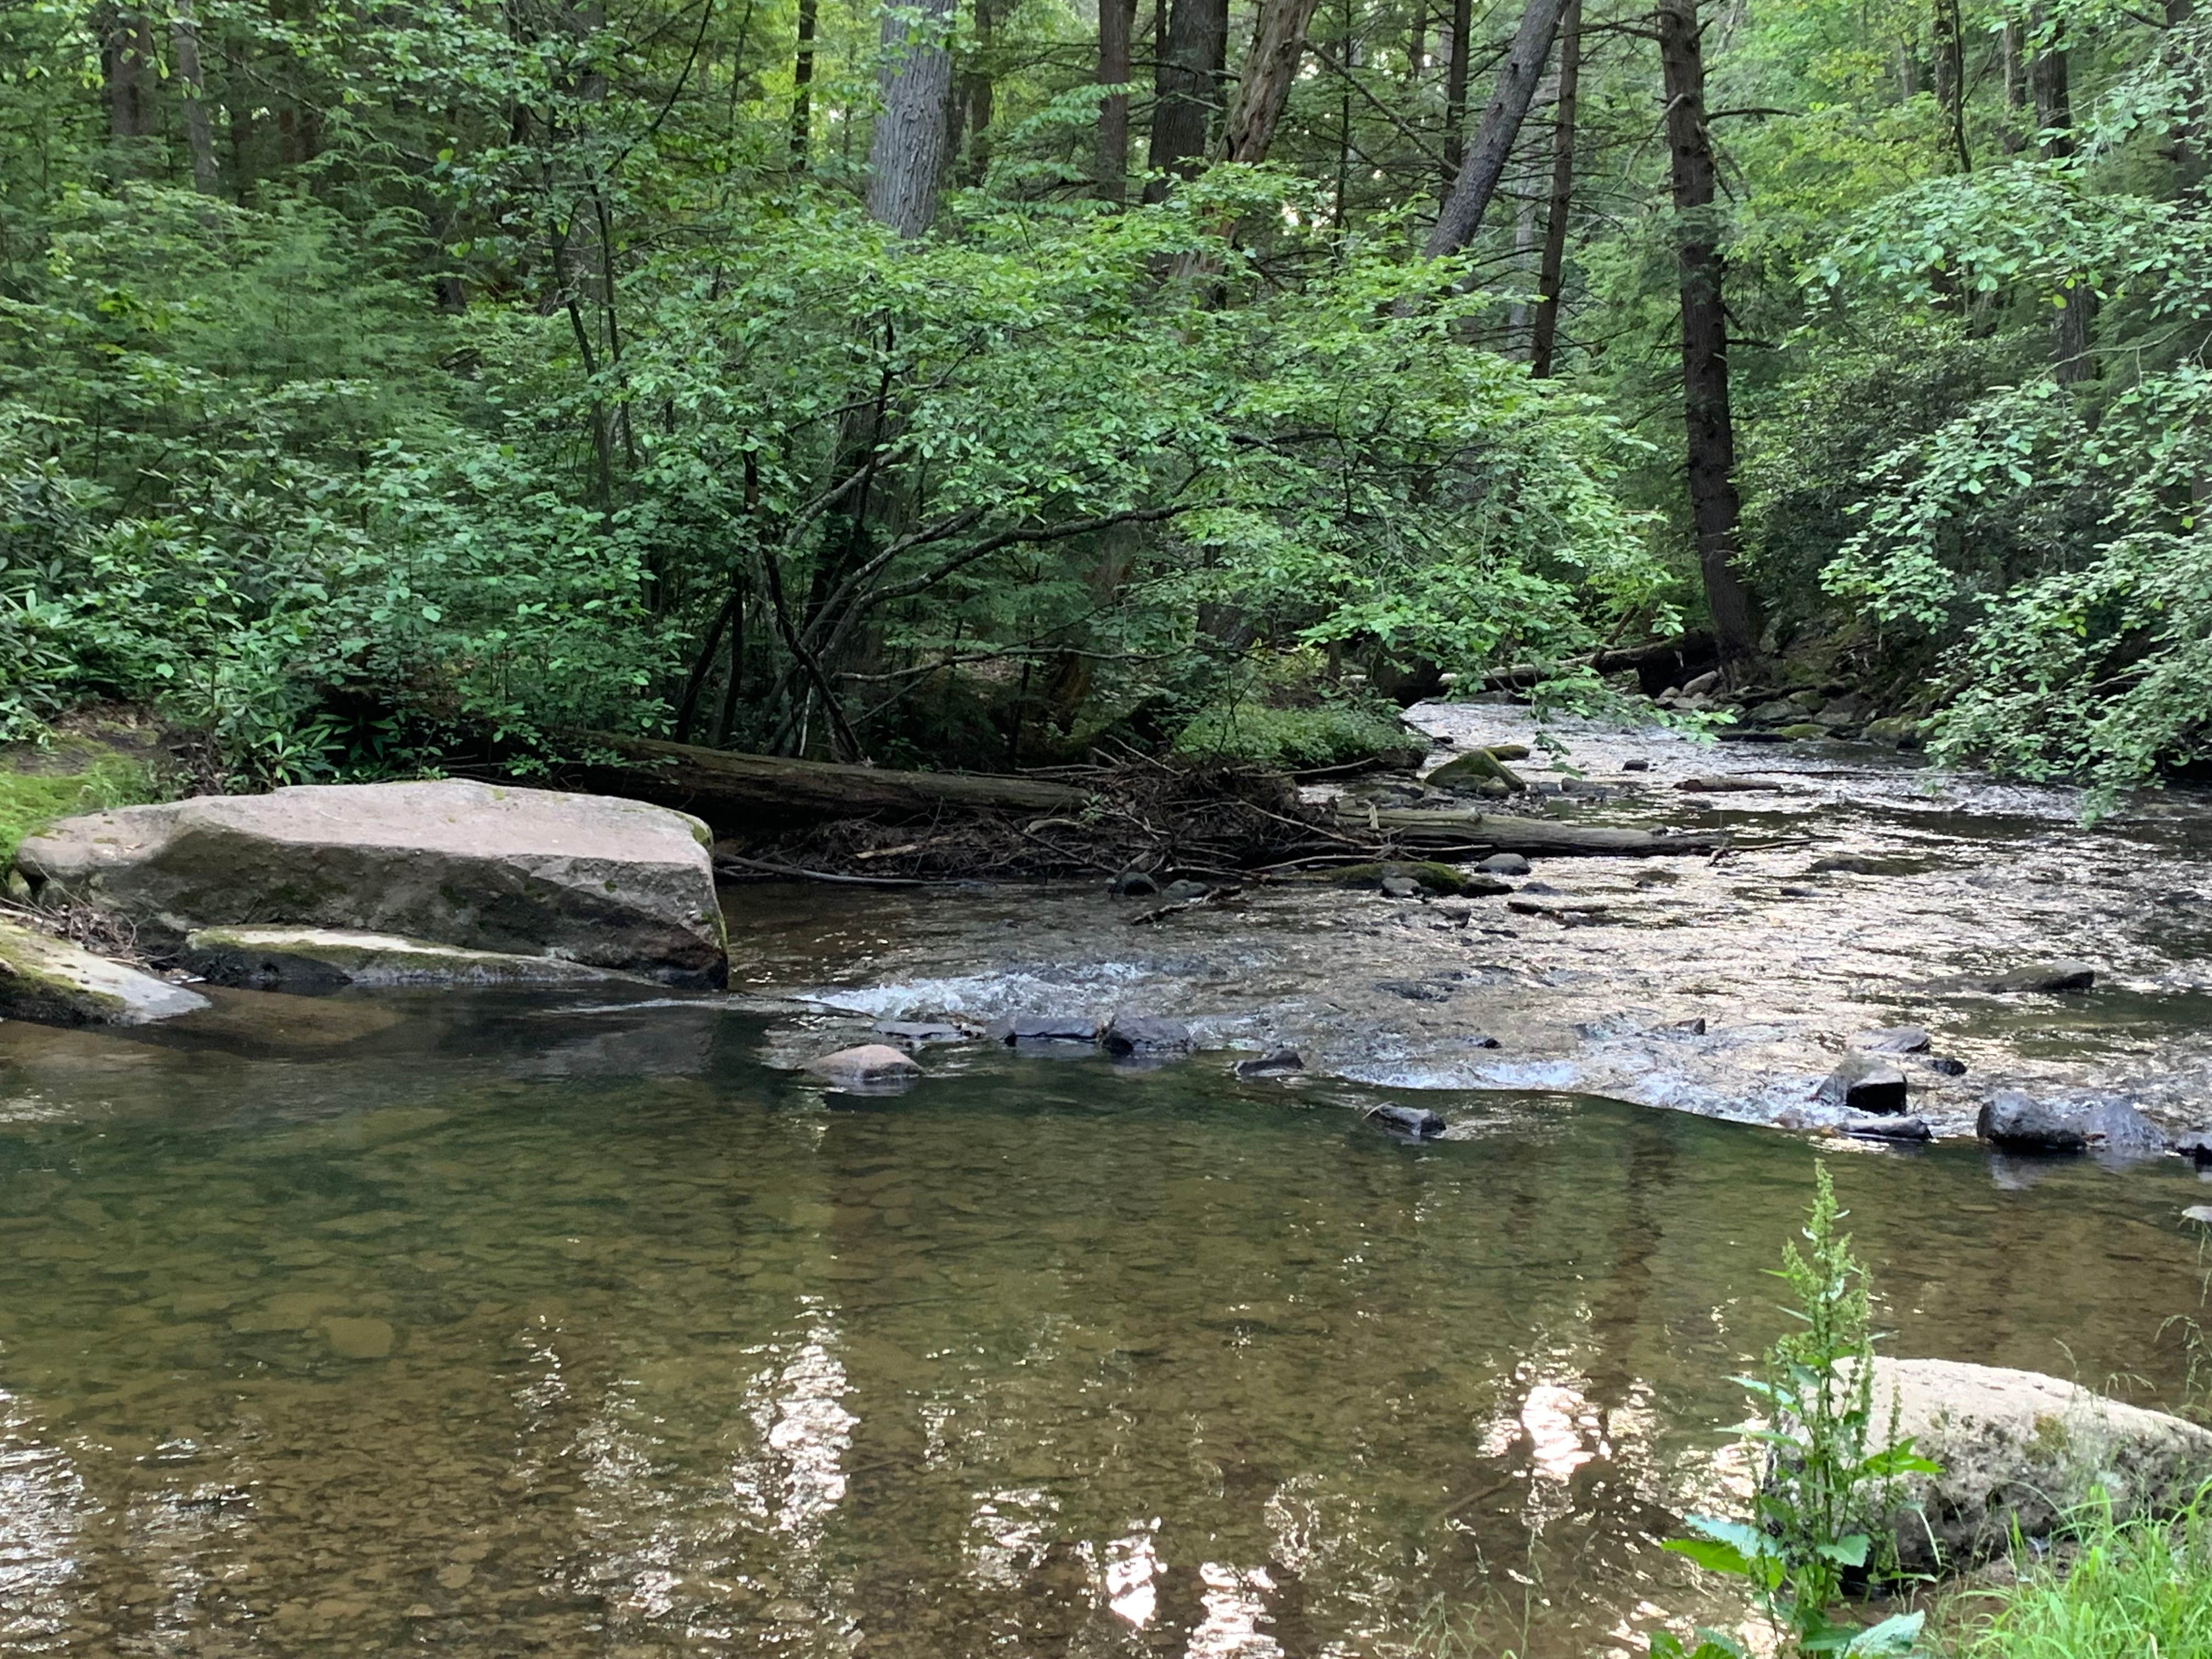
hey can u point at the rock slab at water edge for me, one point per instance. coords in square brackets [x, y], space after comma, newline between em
[52, 982]
[2019, 1448]
[588, 878]
[316, 959]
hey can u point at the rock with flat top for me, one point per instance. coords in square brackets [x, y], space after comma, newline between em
[310, 960]
[2020, 1450]
[1134, 1035]
[2015, 1121]
[2042, 976]
[1417, 1121]
[585, 878]
[1893, 1039]
[50, 982]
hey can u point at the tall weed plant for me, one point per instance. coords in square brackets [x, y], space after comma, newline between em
[1826, 1471]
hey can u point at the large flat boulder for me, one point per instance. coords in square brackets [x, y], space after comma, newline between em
[53, 982]
[2019, 1450]
[588, 878]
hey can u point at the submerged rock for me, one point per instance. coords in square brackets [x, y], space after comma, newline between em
[1146, 1033]
[313, 959]
[2019, 1451]
[1281, 1063]
[1731, 786]
[1893, 1039]
[1894, 1126]
[2067, 976]
[922, 1033]
[870, 1063]
[1042, 1028]
[1843, 864]
[607, 883]
[50, 982]
[1861, 1082]
[1418, 1122]
[2018, 1122]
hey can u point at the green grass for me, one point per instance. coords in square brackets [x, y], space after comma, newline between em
[2139, 1589]
[31, 800]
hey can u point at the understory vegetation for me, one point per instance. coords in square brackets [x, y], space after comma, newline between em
[975, 383]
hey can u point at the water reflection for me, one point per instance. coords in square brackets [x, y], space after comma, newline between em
[423, 1348]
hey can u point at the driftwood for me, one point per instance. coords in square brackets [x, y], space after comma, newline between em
[735, 793]
[1503, 832]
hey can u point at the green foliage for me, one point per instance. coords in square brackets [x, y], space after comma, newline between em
[1826, 1472]
[2109, 1590]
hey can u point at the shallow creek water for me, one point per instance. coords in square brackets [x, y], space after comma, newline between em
[484, 1324]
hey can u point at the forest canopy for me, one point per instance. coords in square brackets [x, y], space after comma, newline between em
[972, 383]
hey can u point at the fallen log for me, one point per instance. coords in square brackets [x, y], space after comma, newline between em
[1657, 666]
[737, 792]
[1505, 832]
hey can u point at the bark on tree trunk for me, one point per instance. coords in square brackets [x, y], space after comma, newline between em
[2054, 118]
[802, 88]
[1709, 430]
[129, 59]
[973, 102]
[1951, 76]
[1544, 338]
[1117, 21]
[1463, 27]
[1278, 46]
[2016, 86]
[1485, 164]
[199, 133]
[906, 152]
[1187, 88]
[2188, 138]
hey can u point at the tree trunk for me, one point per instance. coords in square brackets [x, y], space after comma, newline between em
[1951, 76]
[2054, 117]
[127, 54]
[1462, 28]
[1186, 87]
[973, 103]
[1709, 433]
[1466, 830]
[802, 88]
[1544, 338]
[2188, 150]
[1117, 21]
[199, 134]
[1278, 46]
[906, 152]
[1485, 160]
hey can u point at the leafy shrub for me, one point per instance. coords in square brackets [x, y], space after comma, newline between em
[1301, 739]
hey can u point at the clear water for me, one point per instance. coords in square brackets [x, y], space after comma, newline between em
[481, 1326]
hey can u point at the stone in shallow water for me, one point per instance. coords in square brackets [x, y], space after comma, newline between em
[1893, 1039]
[359, 1339]
[1504, 863]
[1020, 1029]
[871, 1062]
[2018, 1122]
[2042, 976]
[1416, 1120]
[1870, 1126]
[53, 982]
[314, 959]
[617, 883]
[1861, 1082]
[1282, 1062]
[922, 1033]
[1146, 1033]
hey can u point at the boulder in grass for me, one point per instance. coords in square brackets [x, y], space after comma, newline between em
[2019, 1451]
[872, 1064]
[585, 878]
[50, 982]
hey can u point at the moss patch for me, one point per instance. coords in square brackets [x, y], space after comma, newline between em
[1434, 877]
[72, 776]
[1303, 739]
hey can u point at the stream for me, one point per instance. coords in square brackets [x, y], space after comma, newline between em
[485, 1323]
